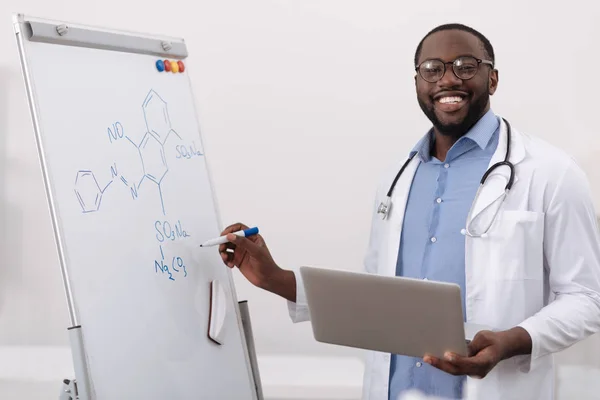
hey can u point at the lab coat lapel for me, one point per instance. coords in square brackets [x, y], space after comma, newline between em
[495, 184]
[396, 217]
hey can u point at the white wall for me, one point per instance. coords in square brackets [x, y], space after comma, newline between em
[302, 104]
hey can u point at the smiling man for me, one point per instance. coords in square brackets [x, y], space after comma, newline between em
[455, 101]
[454, 82]
[525, 249]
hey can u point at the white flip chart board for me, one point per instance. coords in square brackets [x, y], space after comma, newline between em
[131, 199]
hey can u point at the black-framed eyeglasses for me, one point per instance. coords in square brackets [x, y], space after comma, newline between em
[464, 68]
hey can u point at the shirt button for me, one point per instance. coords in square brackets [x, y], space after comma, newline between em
[438, 200]
[419, 364]
[463, 231]
[433, 240]
[446, 165]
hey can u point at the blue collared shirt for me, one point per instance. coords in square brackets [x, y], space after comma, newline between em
[432, 245]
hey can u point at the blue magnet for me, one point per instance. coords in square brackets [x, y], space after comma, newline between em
[160, 65]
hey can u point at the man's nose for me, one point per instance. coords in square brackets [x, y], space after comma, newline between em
[449, 79]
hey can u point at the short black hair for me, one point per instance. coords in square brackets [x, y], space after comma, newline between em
[487, 46]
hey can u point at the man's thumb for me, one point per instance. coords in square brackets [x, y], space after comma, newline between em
[478, 343]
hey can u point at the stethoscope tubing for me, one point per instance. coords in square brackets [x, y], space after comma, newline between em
[384, 206]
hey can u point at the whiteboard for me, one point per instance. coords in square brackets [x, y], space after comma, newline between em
[131, 199]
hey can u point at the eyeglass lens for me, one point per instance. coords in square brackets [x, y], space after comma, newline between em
[463, 67]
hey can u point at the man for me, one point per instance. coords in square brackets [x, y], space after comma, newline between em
[528, 263]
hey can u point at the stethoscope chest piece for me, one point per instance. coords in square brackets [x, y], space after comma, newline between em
[384, 207]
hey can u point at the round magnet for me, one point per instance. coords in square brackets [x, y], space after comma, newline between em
[167, 65]
[181, 66]
[174, 67]
[160, 65]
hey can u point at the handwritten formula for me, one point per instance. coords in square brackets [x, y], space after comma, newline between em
[142, 160]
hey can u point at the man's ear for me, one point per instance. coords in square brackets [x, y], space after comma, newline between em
[493, 82]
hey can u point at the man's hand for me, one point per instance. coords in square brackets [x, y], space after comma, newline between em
[485, 351]
[252, 257]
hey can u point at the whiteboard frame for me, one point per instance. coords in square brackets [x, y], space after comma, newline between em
[29, 28]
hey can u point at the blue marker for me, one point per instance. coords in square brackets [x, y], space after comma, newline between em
[223, 239]
[160, 65]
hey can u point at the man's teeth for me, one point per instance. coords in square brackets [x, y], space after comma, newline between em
[454, 99]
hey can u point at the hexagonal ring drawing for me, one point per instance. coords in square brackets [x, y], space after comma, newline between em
[88, 191]
[153, 158]
[156, 115]
[150, 150]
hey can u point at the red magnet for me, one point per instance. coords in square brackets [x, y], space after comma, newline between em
[167, 66]
[181, 66]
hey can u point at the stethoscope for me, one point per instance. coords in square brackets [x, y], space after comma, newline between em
[384, 206]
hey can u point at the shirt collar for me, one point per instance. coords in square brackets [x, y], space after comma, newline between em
[481, 133]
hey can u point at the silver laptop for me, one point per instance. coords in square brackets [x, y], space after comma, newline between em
[389, 314]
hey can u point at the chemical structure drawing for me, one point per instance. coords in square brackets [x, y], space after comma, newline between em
[157, 118]
[88, 191]
[139, 162]
[150, 152]
[153, 159]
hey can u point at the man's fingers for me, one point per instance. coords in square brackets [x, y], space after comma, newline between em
[475, 366]
[234, 228]
[234, 257]
[480, 360]
[227, 252]
[442, 364]
[244, 243]
[462, 364]
[226, 247]
[227, 259]
[457, 365]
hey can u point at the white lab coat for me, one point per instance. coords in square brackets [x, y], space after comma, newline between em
[538, 267]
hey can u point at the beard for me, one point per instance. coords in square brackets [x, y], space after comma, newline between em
[476, 109]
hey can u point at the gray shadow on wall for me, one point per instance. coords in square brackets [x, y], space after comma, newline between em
[10, 213]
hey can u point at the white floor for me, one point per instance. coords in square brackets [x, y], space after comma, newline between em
[308, 378]
[35, 373]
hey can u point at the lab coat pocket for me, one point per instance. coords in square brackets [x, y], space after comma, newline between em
[516, 246]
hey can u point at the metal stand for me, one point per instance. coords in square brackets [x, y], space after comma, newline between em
[68, 391]
[80, 364]
[73, 389]
[245, 315]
